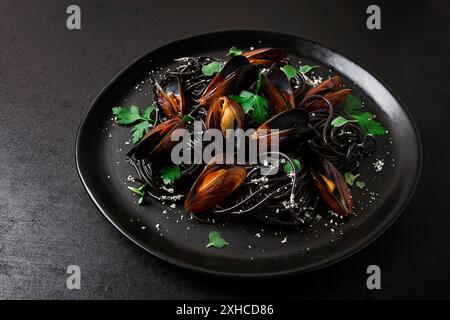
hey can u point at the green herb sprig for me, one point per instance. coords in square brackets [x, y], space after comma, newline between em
[366, 120]
[170, 174]
[130, 115]
[352, 105]
[234, 52]
[215, 240]
[289, 71]
[288, 167]
[360, 184]
[188, 118]
[211, 68]
[139, 191]
[306, 68]
[350, 178]
[258, 105]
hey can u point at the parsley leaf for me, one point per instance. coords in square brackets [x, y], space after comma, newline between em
[363, 117]
[352, 105]
[259, 83]
[288, 167]
[260, 109]
[139, 191]
[139, 130]
[306, 68]
[350, 178]
[244, 100]
[375, 128]
[369, 125]
[148, 113]
[289, 70]
[188, 118]
[129, 115]
[126, 115]
[215, 240]
[234, 52]
[255, 103]
[360, 184]
[170, 174]
[340, 121]
[211, 68]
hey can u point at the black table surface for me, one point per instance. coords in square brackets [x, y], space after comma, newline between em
[50, 75]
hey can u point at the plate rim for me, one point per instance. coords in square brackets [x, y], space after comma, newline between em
[320, 264]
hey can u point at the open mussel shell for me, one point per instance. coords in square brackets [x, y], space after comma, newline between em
[333, 189]
[170, 97]
[265, 56]
[157, 141]
[337, 97]
[295, 118]
[225, 114]
[326, 86]
[327, 89]
[314, 103]
[292, 126]
[237, 74]
[278, 90]
[215, 184]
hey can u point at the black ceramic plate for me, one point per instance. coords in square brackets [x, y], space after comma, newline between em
[169, 234]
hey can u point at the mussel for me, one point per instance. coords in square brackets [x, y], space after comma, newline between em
[328, 89]
[333, 189]
[157, 141]
[237, 73]
[171, 97]
[265, 56]
[216, 183]
[292, 126]
[225, 114]
[278, 90]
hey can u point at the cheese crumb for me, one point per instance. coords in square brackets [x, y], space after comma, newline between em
[378, 165]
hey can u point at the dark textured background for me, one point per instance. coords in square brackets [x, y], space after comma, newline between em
[49, 76]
